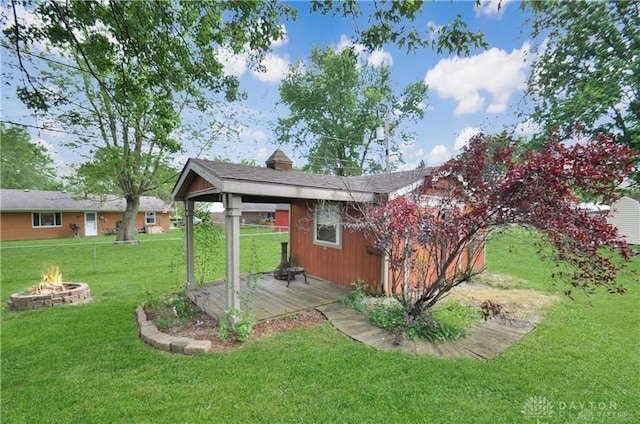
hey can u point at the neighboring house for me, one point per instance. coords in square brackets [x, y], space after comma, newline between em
[625, 215]
[276, 214]
[318, 210]
[593, 208]
[37, 214]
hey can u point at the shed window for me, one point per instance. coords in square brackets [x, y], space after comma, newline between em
[46, 219]
[327, 225]
[150, 218]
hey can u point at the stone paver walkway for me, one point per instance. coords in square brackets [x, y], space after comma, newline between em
[485, 341]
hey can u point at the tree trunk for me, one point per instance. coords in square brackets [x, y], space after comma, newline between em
[127, 231]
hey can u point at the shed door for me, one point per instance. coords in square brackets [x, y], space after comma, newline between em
[90, 224]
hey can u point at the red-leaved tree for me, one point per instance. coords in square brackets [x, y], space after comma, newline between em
[434, 238]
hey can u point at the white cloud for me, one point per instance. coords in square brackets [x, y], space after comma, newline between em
[52, 128]
[346, 42]
[379, 58]
[438, 155]
[259, 135]
[376, 58]
[237, 64]
[276, 68]
[247, 134]
[27, 18]
[262, 153]
[234, 64]
[59, 164]
[282, 41]
[492, 7]
[526, 129]
[464, 136]
[178, 162]
[492, 76]
[471, 103]
[434, 30]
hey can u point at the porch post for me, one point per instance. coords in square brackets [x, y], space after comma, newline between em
[188, 225]
[385, 274]
[232, 203]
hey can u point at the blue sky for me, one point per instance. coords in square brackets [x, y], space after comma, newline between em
[481, 91]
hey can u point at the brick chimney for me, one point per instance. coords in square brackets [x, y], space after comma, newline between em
[279, 161]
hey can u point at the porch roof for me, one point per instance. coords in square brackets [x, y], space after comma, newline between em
[266, 184]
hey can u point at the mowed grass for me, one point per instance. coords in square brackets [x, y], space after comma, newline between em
[86, 363]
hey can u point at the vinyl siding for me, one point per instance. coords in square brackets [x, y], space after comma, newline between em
[625, 215]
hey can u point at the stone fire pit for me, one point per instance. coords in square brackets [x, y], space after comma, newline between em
[71, 293]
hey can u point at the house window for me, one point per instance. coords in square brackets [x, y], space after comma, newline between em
[327, 226]
[150, 218]
[46, 219]
[271, 216]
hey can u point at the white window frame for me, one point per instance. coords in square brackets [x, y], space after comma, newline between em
[150, 218]
[333, 209]
[55, 215]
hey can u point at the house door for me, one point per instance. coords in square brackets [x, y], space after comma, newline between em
[90, 224]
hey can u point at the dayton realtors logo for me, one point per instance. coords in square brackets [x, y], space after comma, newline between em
[543, 410]
[538, 408]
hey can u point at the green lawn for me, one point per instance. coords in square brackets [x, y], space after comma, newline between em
[86, 364]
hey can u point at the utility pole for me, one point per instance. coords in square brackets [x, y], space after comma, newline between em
[380, 135]
[386, 138]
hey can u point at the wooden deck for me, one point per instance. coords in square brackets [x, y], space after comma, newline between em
[272, 297]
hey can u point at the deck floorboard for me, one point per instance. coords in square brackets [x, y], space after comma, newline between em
[272, 298]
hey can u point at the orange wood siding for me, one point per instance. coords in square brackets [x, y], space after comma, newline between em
[345, 265]
[429, 271]
[18, 225]
[198, 184]
[282, 220]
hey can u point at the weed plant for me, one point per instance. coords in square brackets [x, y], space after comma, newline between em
[171, 310]
[447, 321]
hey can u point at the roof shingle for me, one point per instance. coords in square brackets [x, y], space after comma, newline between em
[381, 183]
[40, 200]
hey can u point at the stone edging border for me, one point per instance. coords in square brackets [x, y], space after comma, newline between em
[150, 334]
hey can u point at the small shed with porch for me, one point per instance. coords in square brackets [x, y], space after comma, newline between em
[319, 205]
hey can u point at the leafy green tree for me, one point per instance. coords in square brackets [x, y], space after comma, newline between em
[25, 165]
[124, 73]
[335, 106]
[393, 22]
[97, 176]
[129, 70]
[586, 68]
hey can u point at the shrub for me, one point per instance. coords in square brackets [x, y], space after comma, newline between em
[448, 321]
[172, 310]
[237, 324]
[356, 297]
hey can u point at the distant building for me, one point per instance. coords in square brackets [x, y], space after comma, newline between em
[625, 215]
[38, 214]
[272, 214]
